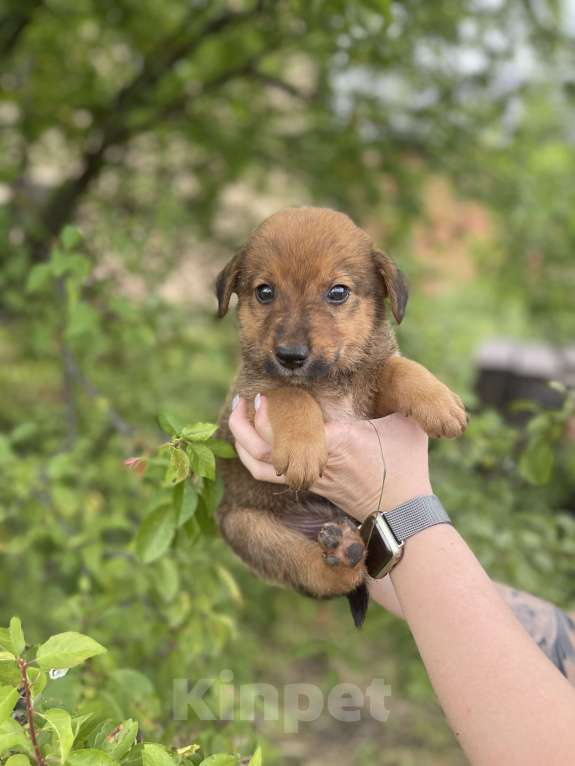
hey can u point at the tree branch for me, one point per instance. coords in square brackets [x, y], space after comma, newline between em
[167, 54]
[22, 666]
[113, 129]
[74, 376]
[276, 82]
[13, 25]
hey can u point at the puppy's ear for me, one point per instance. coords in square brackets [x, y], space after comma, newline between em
[395, 284]
[227, 283]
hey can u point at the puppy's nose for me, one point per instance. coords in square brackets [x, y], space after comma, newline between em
[292, 356]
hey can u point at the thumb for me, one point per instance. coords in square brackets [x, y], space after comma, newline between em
[262, 422]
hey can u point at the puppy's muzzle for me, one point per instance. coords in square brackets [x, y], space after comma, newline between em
[292, 357]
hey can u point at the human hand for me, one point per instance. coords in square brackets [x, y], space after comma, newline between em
[354, 471]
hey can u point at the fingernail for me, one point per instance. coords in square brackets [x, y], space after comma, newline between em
[235, 401]
[257, 401]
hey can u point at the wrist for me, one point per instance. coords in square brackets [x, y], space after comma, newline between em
[393, 496]
[386, 533]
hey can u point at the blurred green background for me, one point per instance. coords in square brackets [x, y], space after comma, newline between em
[159, 134]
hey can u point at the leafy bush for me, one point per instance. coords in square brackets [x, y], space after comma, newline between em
[87, 545]
[85, 729]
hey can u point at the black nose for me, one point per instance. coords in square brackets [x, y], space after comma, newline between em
[292, 356]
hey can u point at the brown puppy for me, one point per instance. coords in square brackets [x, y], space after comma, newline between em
[315, 339]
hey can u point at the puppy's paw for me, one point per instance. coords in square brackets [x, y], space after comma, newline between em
[440, 412]
[341, 544]
[301, 463]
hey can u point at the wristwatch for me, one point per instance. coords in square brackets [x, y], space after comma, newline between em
[384, 534]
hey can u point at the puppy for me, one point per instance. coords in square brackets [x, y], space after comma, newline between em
[315, 339]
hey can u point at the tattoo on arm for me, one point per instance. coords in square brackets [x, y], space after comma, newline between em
[552, 628]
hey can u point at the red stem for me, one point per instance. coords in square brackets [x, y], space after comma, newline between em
[29, 711]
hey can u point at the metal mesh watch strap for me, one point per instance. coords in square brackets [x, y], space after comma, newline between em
[412, 517]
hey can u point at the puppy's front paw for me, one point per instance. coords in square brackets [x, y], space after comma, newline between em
[440, 412]
[301, 463]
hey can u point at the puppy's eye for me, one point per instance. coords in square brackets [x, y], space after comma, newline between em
[338, 294]
[265, 293]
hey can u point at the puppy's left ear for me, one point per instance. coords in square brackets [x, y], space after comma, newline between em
[395, 284]
[227, 283]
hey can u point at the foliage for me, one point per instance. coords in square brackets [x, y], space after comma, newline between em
[128, 560]
[83, 730]
[513, 504]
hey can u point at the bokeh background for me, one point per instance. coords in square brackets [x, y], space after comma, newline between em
[139, 144]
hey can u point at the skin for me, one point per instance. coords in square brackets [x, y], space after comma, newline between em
[507, 701]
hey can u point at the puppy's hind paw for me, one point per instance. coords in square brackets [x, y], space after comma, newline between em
[341, 544]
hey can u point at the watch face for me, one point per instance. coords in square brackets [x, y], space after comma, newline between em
[378, 556]
[380, 553]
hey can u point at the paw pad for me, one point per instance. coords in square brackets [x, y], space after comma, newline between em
[341, 544]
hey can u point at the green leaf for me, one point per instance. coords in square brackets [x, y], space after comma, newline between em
[212, 495]
[71, 237]
[156, 755]
[169, 424]
[8, 699]
[59, 260]
[256, 759]
[178, 498]
[37, 680]
[178, 467]
[210, 498]
[134, 756]
[186, 750]
[9, 674]
[167, 580]
[120, 740]
[66, 650]
[17, 636]
[83, 321]
[18, 760]
[12, 736]
[189, 503]
[79, 721]
[231, 585]
[221, 448]
[90, 756]
[199, 432]
[7, 657]
[156, 533]
[202, 461]
[133, 681]
[536, 462]
[6, 640]
[220, 759]
[61, 722]
[39, 276]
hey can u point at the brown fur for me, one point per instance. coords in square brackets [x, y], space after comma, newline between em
[353, 371]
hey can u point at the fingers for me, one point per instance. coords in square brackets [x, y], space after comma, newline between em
[253, 450]
[262, 422]
[246, 435]
[260, 470]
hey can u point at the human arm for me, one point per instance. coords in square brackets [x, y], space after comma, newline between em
[505, 701]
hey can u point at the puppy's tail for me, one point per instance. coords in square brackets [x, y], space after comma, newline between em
[358, 603]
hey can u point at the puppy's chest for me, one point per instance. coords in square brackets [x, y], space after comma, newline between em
[339, 409]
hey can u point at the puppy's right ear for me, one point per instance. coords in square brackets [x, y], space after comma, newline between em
[227, 283]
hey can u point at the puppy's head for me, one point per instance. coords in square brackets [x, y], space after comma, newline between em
[311, 289]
